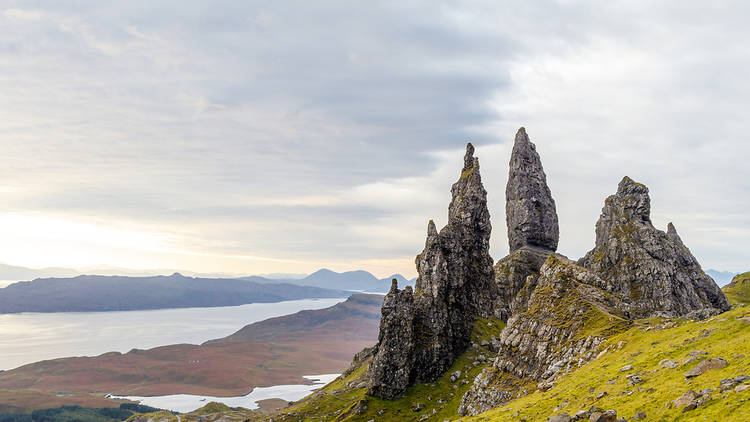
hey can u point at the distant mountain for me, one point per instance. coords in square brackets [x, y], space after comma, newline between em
[13, 272]
[93, 293]
[283, 276]
[358, 280]
[720, 277]
[17, 273]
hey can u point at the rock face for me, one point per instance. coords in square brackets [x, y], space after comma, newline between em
[396, 341]
[515, 276]
[651, 270]
[530, 210]
[549, 335]
[423, 332]
[557, 329]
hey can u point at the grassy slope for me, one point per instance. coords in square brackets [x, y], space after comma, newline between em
[337, 402]
[647, 343]
[738, 291]
[728, 338]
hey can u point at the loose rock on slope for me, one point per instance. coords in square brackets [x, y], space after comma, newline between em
[424, 331]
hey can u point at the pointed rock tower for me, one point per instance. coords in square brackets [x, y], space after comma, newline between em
[529, 208]
[533, 230]
[650, 269]
[423, 332]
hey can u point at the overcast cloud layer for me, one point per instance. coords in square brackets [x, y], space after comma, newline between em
[288, 136]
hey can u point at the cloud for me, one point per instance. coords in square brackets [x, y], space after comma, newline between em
[327, 133]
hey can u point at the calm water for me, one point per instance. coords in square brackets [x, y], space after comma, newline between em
[31, 337]
[187, 403]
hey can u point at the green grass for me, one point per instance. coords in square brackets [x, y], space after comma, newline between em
[728, 338]
[738, 291]
[339, 402]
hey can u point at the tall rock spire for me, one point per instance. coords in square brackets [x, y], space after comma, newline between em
[529, 207]
[423, 332]
[532, 227]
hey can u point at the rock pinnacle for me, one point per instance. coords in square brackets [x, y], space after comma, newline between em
[530, 210]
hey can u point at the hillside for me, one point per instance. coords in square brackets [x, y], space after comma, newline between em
[92, 293]
[738, 290]
[657, 349]
[271, 352]
[635, 325]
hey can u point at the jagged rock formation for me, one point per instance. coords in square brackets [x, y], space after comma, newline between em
[424, 331]
[650, 269]
[567, 315]
[558, 311]
[395, 345]
[530, 210]
[533, 231]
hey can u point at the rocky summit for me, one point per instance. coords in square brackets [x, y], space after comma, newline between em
[424, 331]
[529, 208]
[651, 270]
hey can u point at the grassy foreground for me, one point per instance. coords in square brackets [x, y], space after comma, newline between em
[648, 344]
[603, 383]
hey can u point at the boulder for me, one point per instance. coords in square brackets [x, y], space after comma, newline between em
[706, 365]
[562, 417]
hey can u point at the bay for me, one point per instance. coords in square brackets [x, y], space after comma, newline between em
[31, 337]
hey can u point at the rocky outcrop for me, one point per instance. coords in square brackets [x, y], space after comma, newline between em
[567, 315]
[515, 276]
[424, 331]
[651, 270]
[561, 323]
[530, 210]
[395, 347]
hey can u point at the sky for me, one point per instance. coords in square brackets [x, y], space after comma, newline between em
[268, 136]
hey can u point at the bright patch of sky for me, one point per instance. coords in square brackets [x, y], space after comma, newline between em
[287, 136]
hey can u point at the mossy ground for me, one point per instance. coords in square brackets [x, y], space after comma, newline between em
[646, 344]
[727, 336]
[738, 291]
[339, 402]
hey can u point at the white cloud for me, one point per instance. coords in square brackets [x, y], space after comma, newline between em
[284, 138]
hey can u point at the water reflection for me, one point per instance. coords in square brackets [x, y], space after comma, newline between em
[31, 337]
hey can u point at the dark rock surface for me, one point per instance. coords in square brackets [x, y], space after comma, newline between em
[515, 276]
[530, 210]
[650, 269]
[551, 334]
[424, 331]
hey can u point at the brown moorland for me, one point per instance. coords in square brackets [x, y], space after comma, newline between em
[271, 352]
